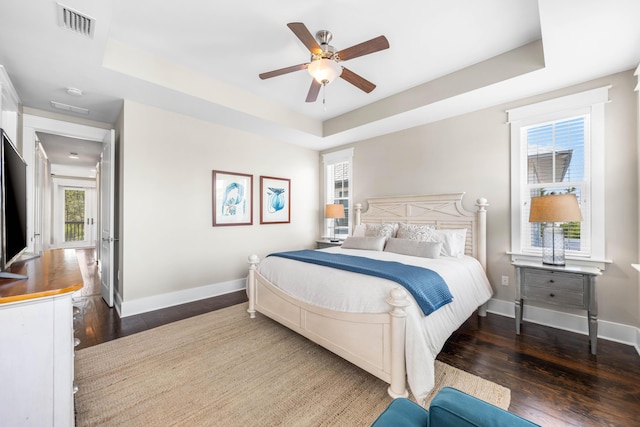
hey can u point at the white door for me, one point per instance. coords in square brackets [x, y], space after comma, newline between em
[39, 201]
[107, 217]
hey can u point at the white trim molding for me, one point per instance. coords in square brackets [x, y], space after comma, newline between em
[157, 302]
[577, 101]
[589, 102]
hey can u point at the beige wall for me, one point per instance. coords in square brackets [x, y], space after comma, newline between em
[471, 153]
[167, 239]
[165, 212]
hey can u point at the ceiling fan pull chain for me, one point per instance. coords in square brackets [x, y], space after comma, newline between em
[324, 97]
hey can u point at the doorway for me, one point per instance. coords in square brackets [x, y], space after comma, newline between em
[75, 223]
[55, 176]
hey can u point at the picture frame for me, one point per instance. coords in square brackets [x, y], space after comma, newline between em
[232, 198]
[275, 200]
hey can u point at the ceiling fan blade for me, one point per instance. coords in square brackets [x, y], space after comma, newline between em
[307, 39]
[282, 71]
[356, 80]
[314, 90]
[364, 48]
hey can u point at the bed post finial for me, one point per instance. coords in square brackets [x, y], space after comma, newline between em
[254, 260]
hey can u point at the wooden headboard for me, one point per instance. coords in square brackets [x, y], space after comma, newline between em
[445, 211]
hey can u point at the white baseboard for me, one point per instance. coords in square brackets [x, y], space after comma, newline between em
[610, 331]
[156, 302]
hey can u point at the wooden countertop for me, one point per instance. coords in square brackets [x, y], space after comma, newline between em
[55, 272]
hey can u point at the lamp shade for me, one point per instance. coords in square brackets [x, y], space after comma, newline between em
[334, 211]
[555, 208]
[324, 70]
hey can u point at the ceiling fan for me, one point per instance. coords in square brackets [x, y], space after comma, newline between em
[324, 65]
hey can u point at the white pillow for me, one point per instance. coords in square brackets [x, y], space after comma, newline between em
[367, 243]
[414, 248]
[422, 232]
[376, 230]
[358, 230]
[453, 241]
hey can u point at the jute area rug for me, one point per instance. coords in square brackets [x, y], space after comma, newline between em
[224, 369]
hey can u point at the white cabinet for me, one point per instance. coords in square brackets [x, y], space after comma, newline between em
[36, 341]
[36, 362]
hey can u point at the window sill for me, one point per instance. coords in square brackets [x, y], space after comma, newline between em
[585, 262]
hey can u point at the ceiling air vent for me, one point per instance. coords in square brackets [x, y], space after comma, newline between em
[67, 107]
[75, 21]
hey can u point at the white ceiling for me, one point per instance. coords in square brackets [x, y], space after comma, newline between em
[203, 58]
[59, 148]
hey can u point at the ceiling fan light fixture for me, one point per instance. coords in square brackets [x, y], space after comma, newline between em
[324, 70]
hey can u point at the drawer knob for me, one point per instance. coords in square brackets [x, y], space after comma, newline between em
[552, 295]
[551, 281]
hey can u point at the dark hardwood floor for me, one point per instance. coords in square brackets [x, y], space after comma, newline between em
[99, 323]
[554, 380]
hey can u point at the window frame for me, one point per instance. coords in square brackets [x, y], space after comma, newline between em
[329, 160]
[590, 103]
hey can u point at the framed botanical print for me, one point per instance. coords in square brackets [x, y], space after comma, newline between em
[232, 198]
[275, 200]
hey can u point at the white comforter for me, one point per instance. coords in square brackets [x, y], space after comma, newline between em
[357, 293]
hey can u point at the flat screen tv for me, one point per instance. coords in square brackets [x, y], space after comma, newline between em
[13, 188]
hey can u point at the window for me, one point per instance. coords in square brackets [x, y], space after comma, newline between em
[557, 147]
[556, 165]
[337, 189]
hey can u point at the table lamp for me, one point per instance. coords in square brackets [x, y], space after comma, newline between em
[334, 211]
[553, 209]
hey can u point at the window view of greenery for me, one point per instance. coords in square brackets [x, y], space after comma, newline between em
[73, 215]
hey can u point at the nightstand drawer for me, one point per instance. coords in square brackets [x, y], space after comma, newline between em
[555, 296]
[553, 280]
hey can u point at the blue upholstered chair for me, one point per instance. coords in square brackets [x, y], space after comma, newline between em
[450, 408]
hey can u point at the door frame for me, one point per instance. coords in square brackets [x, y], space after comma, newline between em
[30, 125]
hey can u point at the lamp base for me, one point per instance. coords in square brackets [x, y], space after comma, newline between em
[553, 246]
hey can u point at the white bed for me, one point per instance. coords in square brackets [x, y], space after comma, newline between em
[384, 333]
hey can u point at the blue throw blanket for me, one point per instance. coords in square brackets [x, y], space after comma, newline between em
[427, 287]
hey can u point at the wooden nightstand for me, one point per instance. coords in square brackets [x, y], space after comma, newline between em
[567, 286]
[326, 243]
